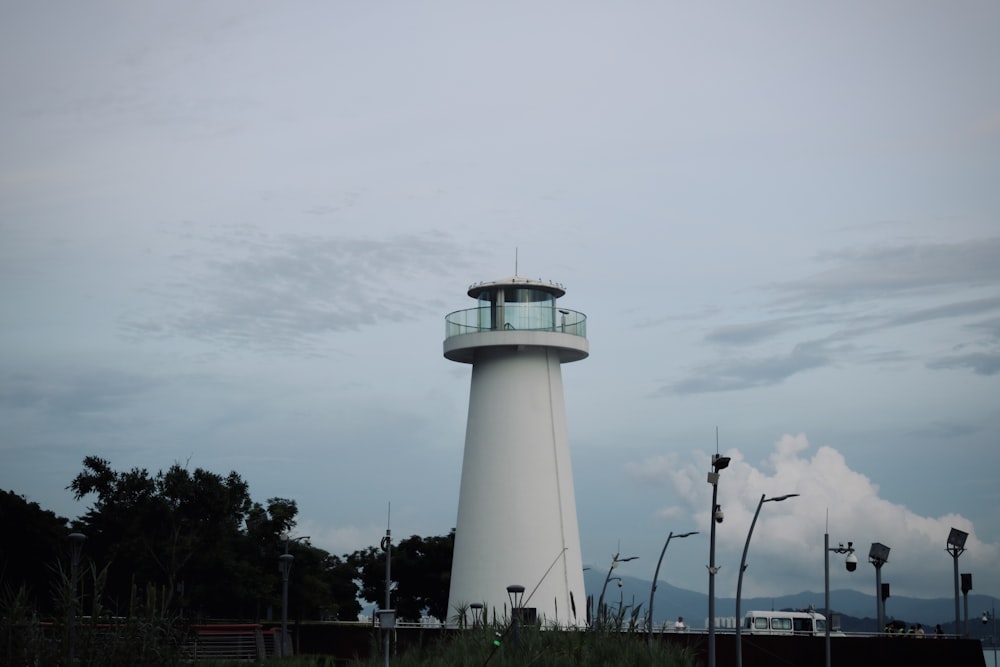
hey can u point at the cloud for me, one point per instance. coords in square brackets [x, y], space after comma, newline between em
[833, 498]
[835, 311]
[979, 363]
[890, 270]
[744, 334]
[732, 375]
[282, 292]
[990, 327]
[949, 310]
[71, 393]
[944, 430]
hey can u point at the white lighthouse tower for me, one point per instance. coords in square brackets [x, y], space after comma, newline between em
[517, 520]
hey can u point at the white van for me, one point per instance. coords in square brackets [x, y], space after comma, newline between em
[785, 623]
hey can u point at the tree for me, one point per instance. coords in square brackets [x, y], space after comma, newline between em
[158, 528]
[35, 541]
[211, 550]
[421, 575]
[192, 542]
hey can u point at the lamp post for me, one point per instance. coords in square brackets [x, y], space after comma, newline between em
[477, 613]
[615, 559]
[387, 617]
[878, 555]
[656, 574]
[76, 541]
[516, 594]
[285, 567]
[956, 545]
[743, 567]
[851, 563]
[718, 463]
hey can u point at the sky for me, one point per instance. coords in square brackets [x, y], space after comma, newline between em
[230, 233]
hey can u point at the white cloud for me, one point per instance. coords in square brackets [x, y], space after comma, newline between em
[786, 546]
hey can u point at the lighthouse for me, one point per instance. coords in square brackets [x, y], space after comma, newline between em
[517, 524]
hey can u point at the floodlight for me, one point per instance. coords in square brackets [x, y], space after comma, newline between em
[956, 538]
[878, 554]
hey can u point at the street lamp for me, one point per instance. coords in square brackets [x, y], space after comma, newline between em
[718, 463]
[743, 566]
[285, 567]
[387, 616]
[477, 613]
[516, 594]
[878, 555]
[615, 559]
[656, 574]
[956, 545]
[851, 563]
[76, 541]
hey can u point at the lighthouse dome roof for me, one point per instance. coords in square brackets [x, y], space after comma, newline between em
[555, 289]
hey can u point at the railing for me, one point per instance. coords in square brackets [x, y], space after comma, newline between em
[229, 642]
[516, 316]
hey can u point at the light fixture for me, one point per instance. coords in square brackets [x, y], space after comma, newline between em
[516, 594]
[878, 555]
[956, 545]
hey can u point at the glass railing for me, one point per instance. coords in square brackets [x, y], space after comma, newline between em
[516, 317]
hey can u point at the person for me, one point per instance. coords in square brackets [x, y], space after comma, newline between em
[919, 633]
[679, 625]
[938, 632]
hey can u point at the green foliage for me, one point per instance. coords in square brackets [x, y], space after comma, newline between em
[198, 540]
[161, 525]
[85, 632]
[24, 561]
[421, 574]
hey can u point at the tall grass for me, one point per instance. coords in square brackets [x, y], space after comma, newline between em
[83, 631]
[531, 645]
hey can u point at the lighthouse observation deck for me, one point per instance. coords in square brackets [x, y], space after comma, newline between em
[518, 313]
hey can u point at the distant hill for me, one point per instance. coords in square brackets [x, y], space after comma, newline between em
[857, 610]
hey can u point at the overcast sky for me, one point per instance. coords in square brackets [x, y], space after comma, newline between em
[230, 233]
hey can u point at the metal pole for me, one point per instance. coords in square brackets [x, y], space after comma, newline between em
[711, 577]
[285, 563]
[652, 590]
[656, 575]
[600, 600]
[826, 589]
[879, 602]
[387, 545]
[994, 615]
[966, 596]
[958, 621]
[739, 585]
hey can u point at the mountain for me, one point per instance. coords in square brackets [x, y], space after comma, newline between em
[857, 610]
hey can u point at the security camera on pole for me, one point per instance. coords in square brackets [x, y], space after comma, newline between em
[718, 463]
[851, 563]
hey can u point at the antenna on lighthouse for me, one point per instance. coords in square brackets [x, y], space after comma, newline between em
[515, 261]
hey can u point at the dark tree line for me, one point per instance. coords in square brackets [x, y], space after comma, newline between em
[208, 550]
